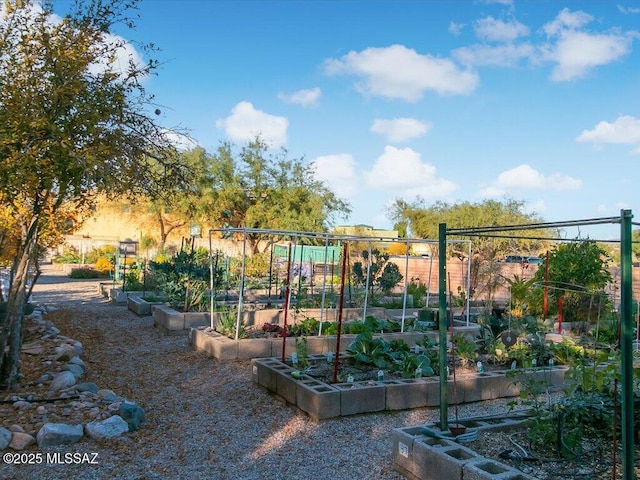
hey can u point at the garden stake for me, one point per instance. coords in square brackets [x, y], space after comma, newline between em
[336, 360]
[286, 305]
[615, 442]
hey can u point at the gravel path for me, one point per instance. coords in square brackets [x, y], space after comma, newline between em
[205, 419]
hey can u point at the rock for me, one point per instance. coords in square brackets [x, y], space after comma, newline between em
[110, 428]
[22, 405]
[132, 414]
[58, 434]
[114, 407]
[63, 380]
[32, 348]
[107, 396]
[5, 438]
[41, 410]
[75, 369]
[20, 441]
[64, 353]
[51, 332]
[78, 361]
[87, 387]
[16, 428]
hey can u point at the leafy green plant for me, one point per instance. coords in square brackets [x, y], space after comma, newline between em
[185, 279]
[369, 350]
[465, 349]
[86, 272]
[227, 323]
[303, 354]
[410, 363]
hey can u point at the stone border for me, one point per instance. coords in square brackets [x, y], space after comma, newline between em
[223, 348]
[322, 400]
[420, 456]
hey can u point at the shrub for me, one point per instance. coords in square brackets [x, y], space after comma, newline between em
[85, 272]
[104, 265]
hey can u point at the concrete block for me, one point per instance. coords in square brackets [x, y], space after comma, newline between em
[361, 397]
[486, 469]
[426, 464]
[254, 348]
[446, 460]
[406, 393]
[286, 385]
[318, 399]
[264, 374]
[224, 348]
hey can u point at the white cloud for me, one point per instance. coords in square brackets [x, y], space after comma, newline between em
[305, 98]
[576, 52]
[493, 55]
[246, 123]
[489, 29]
[398, 72]
[403, 172]
[180, 141]
[339, 173]
[567, 20]
[625, 130]
[400, 129]
[627, 10]
[455, 29]
[524, 177]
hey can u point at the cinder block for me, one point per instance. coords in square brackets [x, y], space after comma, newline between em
[318, 399]
[428, 462]
[361, 397]
[486, 469]
[254, 348]
[224, 348]
[264, 375]
[406, 393]
[438, 459]
[286, 385]
[403, 440]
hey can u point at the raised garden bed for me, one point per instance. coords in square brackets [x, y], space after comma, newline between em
[324, 400]
[427, 453]
[223, 348]
[140, 306]
[173, 322]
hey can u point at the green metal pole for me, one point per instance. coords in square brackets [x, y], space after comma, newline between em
[442, 323]
[626, 319]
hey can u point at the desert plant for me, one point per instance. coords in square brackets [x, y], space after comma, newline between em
[227, 323]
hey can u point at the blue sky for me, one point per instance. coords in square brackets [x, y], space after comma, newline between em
[449, 100]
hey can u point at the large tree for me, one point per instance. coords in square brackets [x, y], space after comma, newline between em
[254, 187]
[422, 221]
[74, 123]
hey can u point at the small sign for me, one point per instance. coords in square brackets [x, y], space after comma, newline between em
[403, 449]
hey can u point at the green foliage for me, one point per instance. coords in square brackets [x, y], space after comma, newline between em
[465, 349]
[253, 187]
[409, 365]
[185, 279]
[418, 291]
[383, 275]
[306, 327]
[369, 350]
[86, 272]
[227, 323]
[303, 354]
[578, 273]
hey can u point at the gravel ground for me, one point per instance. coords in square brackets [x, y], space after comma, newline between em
[204, 419]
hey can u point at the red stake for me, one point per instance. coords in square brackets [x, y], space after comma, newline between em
[286, 304]
[336, 358]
